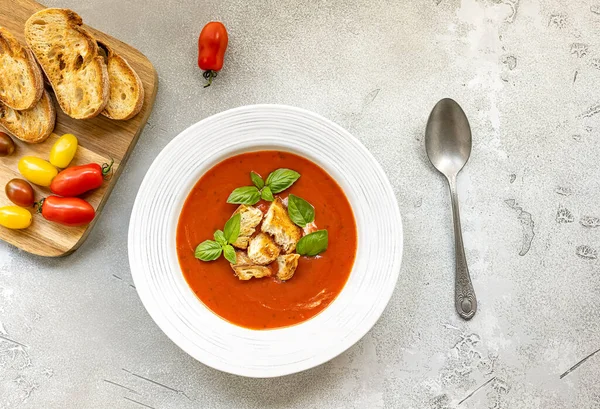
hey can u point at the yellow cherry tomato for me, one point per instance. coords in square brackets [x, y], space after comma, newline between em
[63, 151]
[37, 171]
[15, 217]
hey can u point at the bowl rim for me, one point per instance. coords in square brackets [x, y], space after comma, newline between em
[153, 308]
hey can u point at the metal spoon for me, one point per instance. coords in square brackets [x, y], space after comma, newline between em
[448, 144]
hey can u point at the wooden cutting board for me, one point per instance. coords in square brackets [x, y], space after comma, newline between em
[100, 139]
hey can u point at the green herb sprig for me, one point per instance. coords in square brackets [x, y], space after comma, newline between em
[277, 181]
[210, 250]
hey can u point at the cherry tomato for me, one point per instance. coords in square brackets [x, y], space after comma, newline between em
[7, 146]
[80, 179]
[63, 151]
[20, 192]
[70, 211]
[212, 44]
[15, 217]
[37, 171]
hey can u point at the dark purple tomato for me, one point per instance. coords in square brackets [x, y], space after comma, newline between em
[20, 192]
[7, 146]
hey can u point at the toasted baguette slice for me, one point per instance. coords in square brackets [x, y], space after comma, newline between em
[68, 54]
[32, 126]
[126, 95]
[21, 81]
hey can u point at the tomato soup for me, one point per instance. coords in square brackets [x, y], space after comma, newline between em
[264, 303]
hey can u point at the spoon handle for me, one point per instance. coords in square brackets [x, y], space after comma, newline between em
[464, 294]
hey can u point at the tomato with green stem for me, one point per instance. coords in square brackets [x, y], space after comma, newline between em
[212, 45]
[69, 211]
[77, 180]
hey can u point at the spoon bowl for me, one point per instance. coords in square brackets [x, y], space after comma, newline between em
[448, 137]
[448, 145]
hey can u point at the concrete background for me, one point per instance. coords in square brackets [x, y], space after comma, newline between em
[74, 333]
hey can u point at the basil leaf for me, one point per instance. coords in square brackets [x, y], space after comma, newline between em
[257, 180]
[300, 211]
[229, 253]
[281, 179]
[266, 194]
[220, 238]
[208, 250]
[231, 231]
[247, 195]
[313, 243]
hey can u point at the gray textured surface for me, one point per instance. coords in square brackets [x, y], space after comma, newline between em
[527, 73]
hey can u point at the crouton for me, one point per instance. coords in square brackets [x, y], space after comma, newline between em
[241, 242]
[247, 272]
[250, 217]
[278, 223]
[244, 269]
[287, 266]
[242, 259]
[262, 249]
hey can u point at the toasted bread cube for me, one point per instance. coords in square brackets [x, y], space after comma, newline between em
[278, 223]
[250, 217]
[287, 266]
[241, 242]
[262, 249]
[245, 269]
[247, 272]
[242, 259]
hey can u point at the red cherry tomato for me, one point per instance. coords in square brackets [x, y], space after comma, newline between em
[20, 192]
[77, 180]
[70, 211]
[212, 44]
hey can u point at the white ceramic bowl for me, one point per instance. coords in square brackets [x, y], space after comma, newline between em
[177, 310]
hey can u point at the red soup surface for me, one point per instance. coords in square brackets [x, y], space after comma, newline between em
[263, 303]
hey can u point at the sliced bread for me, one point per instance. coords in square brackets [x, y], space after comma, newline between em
[21, 82]
[68, 54]
[33, 125]
[126, 95]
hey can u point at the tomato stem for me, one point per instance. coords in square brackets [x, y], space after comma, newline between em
[38, 205]
[209, 75]
[107, 167]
